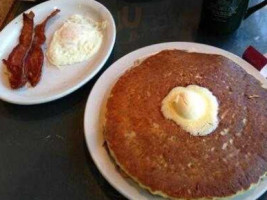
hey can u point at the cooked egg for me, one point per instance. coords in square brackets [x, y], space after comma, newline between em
[78, 39]
[193, 108]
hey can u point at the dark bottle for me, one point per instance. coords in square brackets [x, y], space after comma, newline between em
[223, 16]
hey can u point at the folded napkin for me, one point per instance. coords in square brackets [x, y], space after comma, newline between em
[256, 59]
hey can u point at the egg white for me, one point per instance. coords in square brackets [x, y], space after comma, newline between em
[77, 40]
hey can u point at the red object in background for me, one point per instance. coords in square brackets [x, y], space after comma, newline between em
[255, 58]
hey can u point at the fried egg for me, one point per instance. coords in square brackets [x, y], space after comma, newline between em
[77, 40]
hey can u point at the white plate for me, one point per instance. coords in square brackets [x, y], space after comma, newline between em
[56, 83]
[96, 107]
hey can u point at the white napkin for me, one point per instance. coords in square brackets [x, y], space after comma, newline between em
[264, 69]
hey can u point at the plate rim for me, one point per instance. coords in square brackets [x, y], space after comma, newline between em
[56, 96]
[112, 67]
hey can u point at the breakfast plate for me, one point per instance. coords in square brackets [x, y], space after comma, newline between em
[56, 83]
[95, 109]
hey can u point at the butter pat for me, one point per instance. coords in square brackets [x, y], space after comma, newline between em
[193, 108]
[189, 105]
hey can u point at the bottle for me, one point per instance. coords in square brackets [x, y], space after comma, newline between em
[223, 16]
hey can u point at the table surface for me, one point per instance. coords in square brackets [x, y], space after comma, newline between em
[42, 147]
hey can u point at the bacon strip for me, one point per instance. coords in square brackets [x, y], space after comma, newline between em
[35, 58]
[16, 58]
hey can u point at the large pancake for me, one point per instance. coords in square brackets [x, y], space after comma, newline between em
[167, 160]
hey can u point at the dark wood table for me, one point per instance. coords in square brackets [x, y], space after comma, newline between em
[42, 149]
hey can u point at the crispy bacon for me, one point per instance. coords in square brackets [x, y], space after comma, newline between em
[15, 60]
[34, 60]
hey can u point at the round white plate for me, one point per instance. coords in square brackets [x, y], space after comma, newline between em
[56, 83]
[95, 109]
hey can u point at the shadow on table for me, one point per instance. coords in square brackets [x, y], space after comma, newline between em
[104, 185]
[85, 172]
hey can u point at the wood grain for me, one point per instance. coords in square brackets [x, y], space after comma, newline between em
[5, 7]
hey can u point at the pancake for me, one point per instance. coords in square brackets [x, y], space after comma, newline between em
[165, 159]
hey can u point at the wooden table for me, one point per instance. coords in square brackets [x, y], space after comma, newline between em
[42, 148]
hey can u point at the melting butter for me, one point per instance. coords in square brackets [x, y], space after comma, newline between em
[193, 108]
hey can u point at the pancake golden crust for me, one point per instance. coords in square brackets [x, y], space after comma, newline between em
[163, 157]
